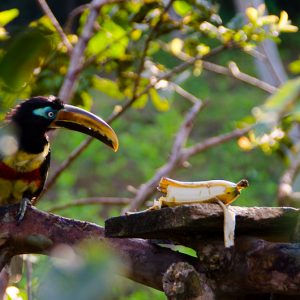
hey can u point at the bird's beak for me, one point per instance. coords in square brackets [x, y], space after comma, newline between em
[78, 119]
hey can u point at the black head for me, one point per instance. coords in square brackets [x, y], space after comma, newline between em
[36, 113]
[34, 117]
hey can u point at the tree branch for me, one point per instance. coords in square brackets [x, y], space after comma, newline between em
[77, 58]
[40, 232]
[46, 9]
[213, 141]
[266, 267]
[73, 14]
[237, 74]
[252, 266]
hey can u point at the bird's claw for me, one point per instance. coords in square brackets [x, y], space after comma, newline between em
[22, 209]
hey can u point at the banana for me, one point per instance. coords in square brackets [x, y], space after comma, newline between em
[222, 192]
[179, 193]
[219, 191]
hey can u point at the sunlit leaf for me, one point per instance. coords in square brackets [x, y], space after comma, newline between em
[182, 7]
[25, 53]
[44, 22]
[3, 34]
[111, 40]
[107, 86]
[8, 15]
[285, 97]
[141, 102]
[295, 66]
[176, 46]
[268, 116]
[161, 104]
[86, 99]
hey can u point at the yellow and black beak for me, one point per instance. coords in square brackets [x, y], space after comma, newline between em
[78, 119]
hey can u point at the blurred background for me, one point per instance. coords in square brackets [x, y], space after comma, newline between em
[34, 61]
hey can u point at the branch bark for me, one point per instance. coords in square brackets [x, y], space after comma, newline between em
[253, 266]
[40, 232]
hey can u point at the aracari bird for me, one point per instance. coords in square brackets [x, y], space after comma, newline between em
[25, 149]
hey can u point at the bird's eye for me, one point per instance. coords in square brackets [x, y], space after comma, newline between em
[48, 113]
[51, 114]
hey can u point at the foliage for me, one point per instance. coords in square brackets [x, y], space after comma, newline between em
[133, 55]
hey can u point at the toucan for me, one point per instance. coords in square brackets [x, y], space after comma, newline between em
[25, 149]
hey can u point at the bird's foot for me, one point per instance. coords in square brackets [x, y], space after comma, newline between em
[22, 209]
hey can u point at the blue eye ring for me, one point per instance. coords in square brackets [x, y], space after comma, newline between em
[45, 112]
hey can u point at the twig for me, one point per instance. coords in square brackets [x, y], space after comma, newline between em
[73, 14]
[92, 201]
[184, 93]
[46, 9]
[240, 76]
[213, 141]
[232, 71]
[77, 58]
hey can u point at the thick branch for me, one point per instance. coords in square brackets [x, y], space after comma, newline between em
[40, 232]
[252, 266]
[265, 267]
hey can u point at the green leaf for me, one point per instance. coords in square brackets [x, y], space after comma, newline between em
[111, 40]
[44, 22]
[141, 102]
[25, 53]
[269, 116]
[286, 96]
[107, 86]
[294, 66]
[161, 104]
[182, 7]
[8, 15]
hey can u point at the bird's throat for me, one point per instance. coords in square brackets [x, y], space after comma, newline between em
[32, 141]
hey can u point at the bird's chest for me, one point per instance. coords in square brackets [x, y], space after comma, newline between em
[20, 173]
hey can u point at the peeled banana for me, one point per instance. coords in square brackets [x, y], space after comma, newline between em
[179, 193]
[219, 191]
